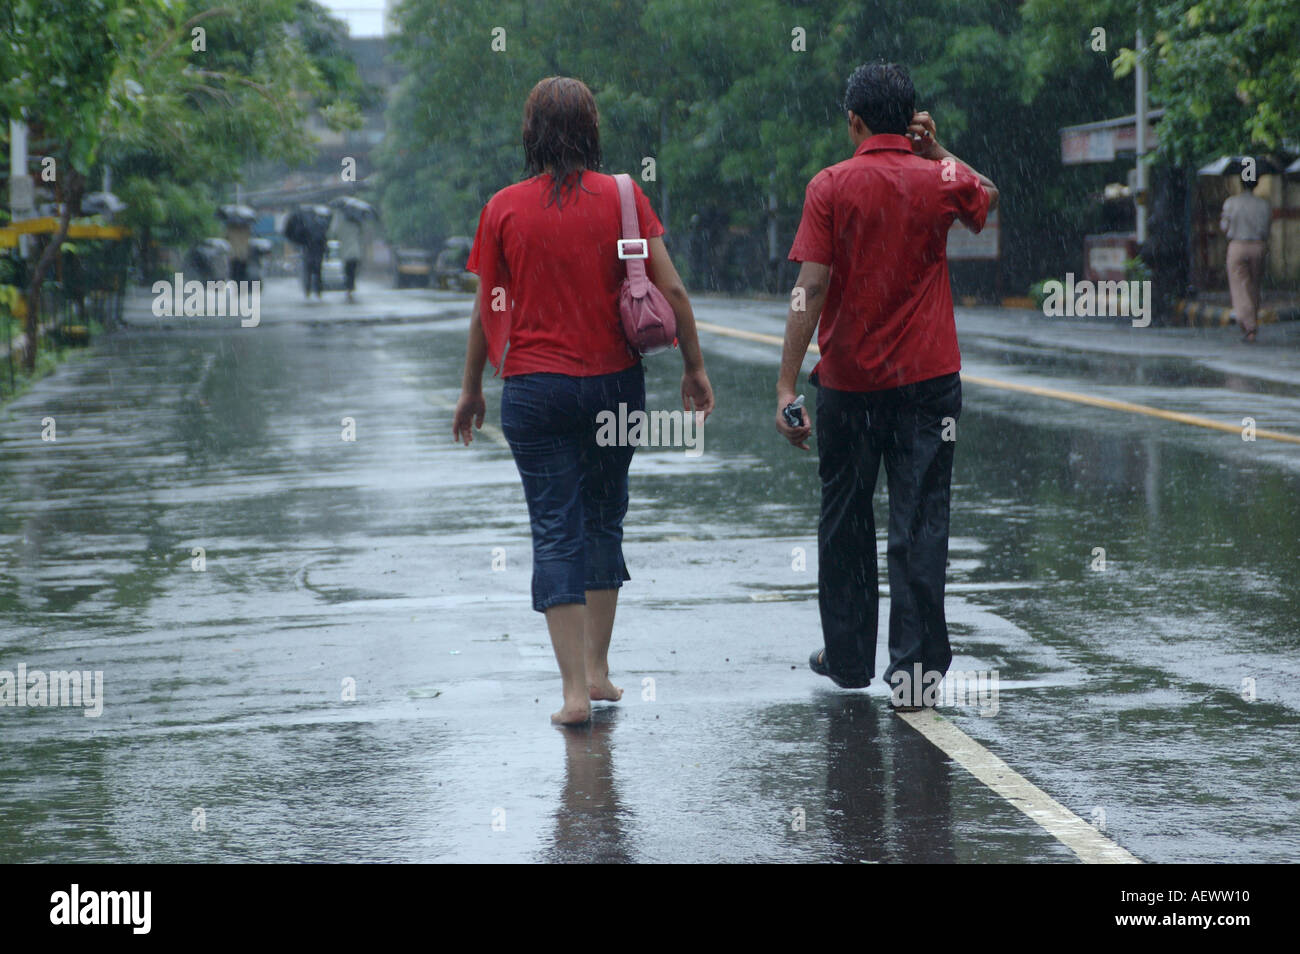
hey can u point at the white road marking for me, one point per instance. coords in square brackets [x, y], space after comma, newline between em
[1083, 839]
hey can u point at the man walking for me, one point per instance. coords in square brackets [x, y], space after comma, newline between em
[313, 256]
[1246, 221]
[873, 248]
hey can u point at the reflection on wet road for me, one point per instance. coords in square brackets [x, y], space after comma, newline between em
[347, 677]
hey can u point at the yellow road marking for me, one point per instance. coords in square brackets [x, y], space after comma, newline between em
[1034, 389]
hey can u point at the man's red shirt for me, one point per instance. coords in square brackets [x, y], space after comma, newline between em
[880, 220]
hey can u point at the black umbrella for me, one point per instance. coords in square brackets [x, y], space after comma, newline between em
[237, 215]
[307, 224]
[354, 209]
[318, 221]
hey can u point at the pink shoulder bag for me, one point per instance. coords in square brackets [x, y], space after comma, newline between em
[648, 319]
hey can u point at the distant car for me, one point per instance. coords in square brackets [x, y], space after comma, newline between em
[450, 267]
[331, 268]
[412, 267]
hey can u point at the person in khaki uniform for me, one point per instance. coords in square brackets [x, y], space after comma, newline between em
[1246, 220]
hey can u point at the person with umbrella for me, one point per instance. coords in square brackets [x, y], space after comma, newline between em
[349, 229]
[308, 226]
[239, 233]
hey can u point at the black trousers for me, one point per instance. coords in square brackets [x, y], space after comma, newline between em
[311, 278]
[350, 274]
[906, 428]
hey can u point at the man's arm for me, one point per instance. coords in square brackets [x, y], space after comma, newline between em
[806, 301]
[927, 147]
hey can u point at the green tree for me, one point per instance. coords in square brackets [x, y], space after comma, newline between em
[180, 95]
[1227, 73]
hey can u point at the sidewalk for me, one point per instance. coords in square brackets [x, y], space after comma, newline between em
[1274, 357]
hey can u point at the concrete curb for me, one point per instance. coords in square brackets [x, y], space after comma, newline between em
[1194, 314]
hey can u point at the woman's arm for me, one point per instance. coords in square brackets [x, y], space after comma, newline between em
[696, 389]
[471, 407]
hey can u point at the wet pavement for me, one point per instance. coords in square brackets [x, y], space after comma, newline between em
[356, 673]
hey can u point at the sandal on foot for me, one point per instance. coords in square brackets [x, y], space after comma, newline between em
[817, 663]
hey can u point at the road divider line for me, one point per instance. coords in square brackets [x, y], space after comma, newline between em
[1038, 391]
[1069, 829]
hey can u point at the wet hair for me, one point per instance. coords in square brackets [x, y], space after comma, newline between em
[882, 96]
[562, 133]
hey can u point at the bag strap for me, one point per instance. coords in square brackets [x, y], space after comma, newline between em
[631, 228]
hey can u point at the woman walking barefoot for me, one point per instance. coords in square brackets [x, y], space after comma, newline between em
[546, 254]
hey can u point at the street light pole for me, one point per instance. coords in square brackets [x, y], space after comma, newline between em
[1140, 178]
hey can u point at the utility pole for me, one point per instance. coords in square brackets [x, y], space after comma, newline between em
[1140, 178]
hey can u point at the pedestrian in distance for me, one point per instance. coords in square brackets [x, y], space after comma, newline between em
[313, 255]
[350, 231]
[308, 227]
[873, 282]
[547, 256]
[1246, 220]
[240, 237]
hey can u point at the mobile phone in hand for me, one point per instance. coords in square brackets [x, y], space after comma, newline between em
[792, 412]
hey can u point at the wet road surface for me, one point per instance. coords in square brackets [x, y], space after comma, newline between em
[356, 673]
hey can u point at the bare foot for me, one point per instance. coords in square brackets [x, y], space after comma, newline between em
[572, 715]
[602, 690]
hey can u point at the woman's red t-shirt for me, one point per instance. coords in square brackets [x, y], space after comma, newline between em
[549, 276]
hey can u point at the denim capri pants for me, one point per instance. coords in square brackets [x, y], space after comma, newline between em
[575, 488]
